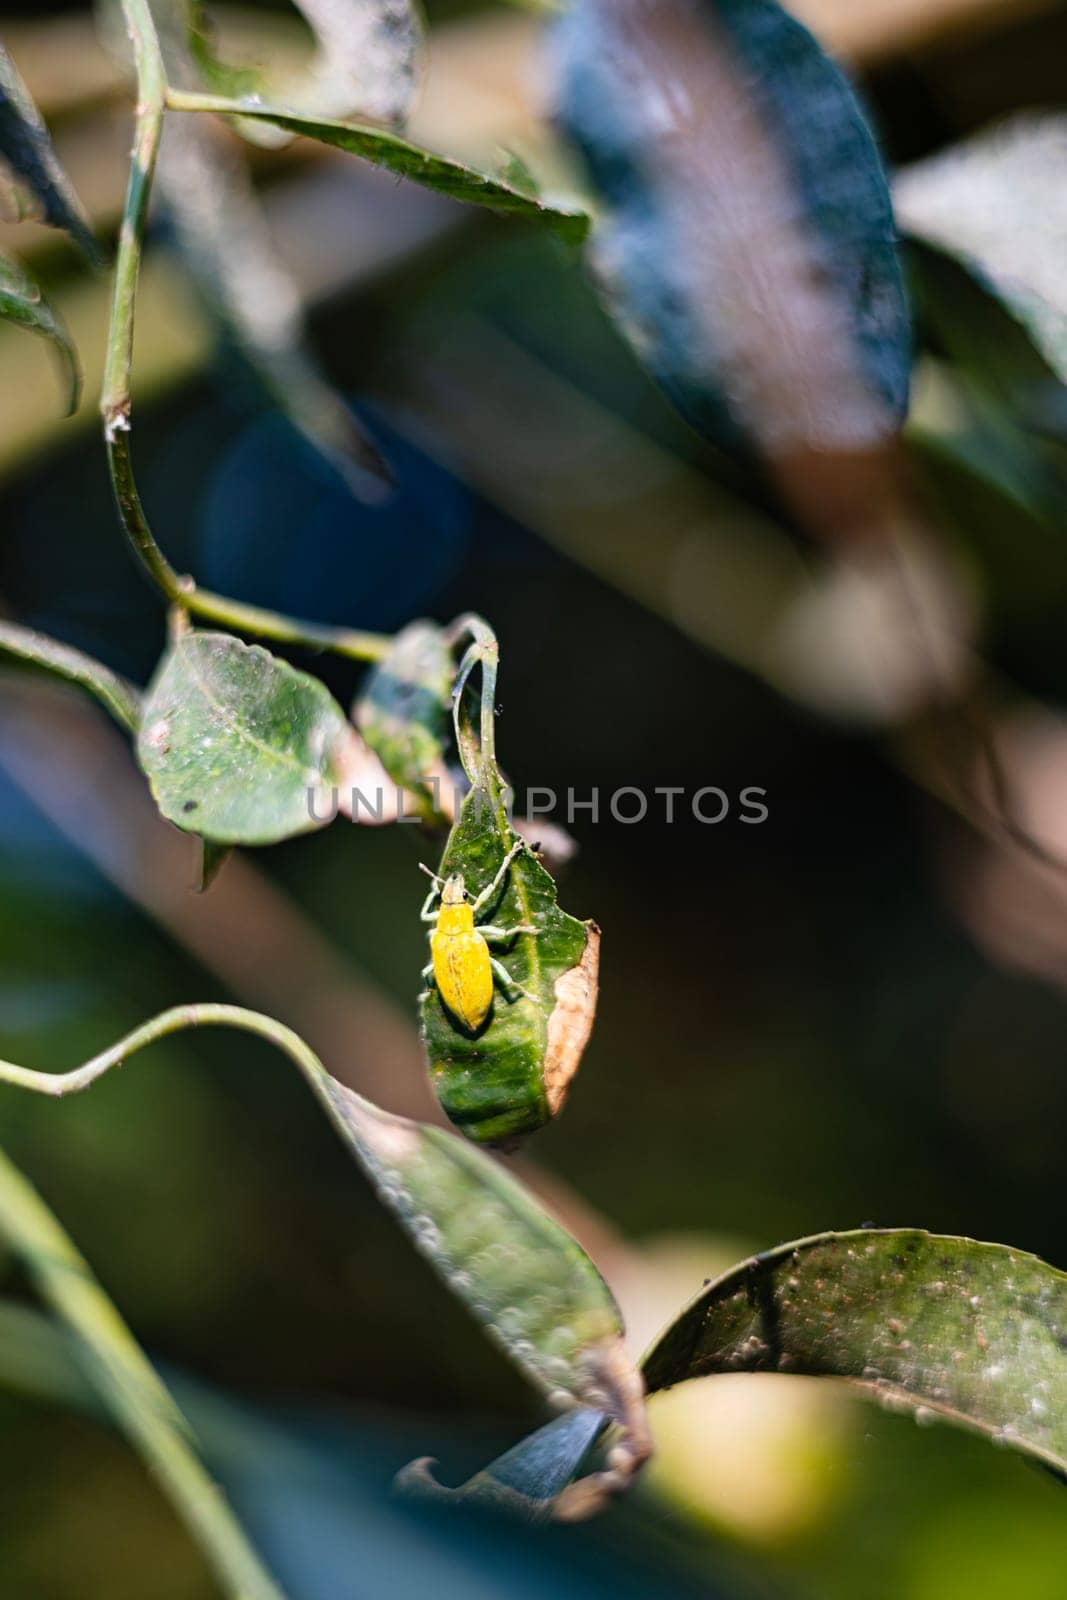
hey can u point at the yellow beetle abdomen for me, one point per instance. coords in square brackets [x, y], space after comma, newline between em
[463, 974]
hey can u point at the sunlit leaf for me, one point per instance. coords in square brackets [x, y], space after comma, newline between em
[22, 302]
[510, 1076]
[29, 648]
[939, 1326]
[407, 160]
[26, 146]
[403, 711]
[237, 745]
[747, 245]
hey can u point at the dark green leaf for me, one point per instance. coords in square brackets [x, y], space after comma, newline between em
[26, 146]
[522, 1275]
[975, 1333]
[407, 160]
[238, 746]
[748, 247]
[21, 301]
[33, 649]
[403, 711]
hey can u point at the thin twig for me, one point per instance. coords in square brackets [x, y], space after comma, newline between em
[115, 402]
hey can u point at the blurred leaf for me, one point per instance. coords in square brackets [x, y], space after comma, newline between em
[529, 1478]
[224, 238]
[369, 54]
[403, 710]
[997, 203]
[932, 1324]
[748, 247]
[979, 334]
[511, 1076]
[21, 301]
[128, 1384]
[117, 696]
[237, 745]
[397, 155]
[26, 146]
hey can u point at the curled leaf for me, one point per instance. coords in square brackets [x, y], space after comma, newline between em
[747, 245]
[22, 302]
[510, 1076]
[26, 147]
[238, 746]
[935, 1325]
[403, 712]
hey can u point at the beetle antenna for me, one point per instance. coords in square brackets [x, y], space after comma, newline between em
[430, 873]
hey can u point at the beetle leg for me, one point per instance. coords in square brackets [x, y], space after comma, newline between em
[493, 935]
[507, 982]
[493, 888]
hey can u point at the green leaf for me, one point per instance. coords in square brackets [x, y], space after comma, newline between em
[127, 1383]
[941, 1326]
[33, 649]
[403, 711]
[26, 146]
[22, 302]
[747, 246]
[512, 1076]
[996, 203]
[397, 155]
[238, 746]
[524, 1277]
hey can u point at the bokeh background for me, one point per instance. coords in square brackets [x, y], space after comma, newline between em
[851, 1013]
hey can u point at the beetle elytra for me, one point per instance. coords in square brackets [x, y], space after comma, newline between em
[462, 967]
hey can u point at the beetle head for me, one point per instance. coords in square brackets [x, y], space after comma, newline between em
[454, 892]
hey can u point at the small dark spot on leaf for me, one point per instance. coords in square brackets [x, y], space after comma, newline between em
[190, 805]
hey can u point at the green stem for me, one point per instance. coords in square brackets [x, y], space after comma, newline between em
[115, 401]
[129, 1384]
